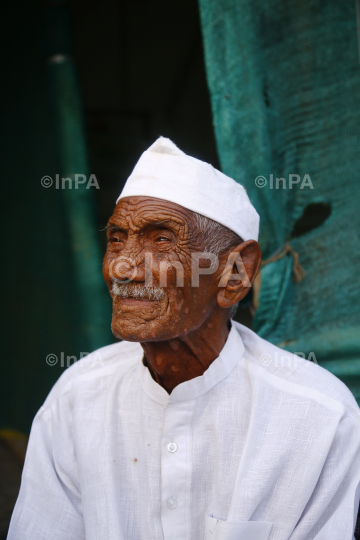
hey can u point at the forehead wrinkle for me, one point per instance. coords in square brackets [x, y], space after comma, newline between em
[139, 214]
[160, 220]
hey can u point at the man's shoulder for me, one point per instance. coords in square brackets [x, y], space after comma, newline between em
[294, 374]
[111, 361]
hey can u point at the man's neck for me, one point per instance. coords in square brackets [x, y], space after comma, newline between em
[184, 358]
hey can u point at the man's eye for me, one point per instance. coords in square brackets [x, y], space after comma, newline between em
[115, 239]
[163, 239]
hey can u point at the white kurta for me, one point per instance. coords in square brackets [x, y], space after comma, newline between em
[263, 446]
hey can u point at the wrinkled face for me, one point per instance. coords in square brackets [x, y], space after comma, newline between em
[165, 234]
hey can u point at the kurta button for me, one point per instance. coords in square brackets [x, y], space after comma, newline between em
[172, 447]
[172, 503]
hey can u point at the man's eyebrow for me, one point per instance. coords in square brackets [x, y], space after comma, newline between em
[112, 227]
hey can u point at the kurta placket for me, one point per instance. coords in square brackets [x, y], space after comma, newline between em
[176, 437]
[175, 470]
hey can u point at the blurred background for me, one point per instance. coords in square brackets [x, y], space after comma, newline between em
[263, 89]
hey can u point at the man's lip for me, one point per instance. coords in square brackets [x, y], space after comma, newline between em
[134, 300]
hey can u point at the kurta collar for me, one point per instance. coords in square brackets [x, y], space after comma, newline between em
[217, 371]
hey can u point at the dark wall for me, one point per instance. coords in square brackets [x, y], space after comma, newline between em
[142, 75]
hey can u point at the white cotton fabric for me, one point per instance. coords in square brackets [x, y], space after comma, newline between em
[165, 172]
[267, 448]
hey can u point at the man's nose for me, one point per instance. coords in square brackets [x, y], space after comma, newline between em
[126, 268]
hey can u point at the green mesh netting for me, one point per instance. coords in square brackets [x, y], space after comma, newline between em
[55, 303]
[284, 78]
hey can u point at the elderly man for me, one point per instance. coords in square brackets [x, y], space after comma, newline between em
[191, 428]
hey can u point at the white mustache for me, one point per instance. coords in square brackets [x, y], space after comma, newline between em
[130, 290]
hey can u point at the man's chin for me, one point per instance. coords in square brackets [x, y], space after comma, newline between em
[138, 329]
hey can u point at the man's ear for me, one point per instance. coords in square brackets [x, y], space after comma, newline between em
[238, 274]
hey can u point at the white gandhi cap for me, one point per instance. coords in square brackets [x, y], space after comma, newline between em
[165, 172]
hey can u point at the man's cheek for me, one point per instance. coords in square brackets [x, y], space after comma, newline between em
[109, 257]
[175, 312]
[169, 270]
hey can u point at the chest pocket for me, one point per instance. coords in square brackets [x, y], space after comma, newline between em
[217, 529]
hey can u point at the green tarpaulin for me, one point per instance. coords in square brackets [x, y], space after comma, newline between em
[284, 79]
[57, 306]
